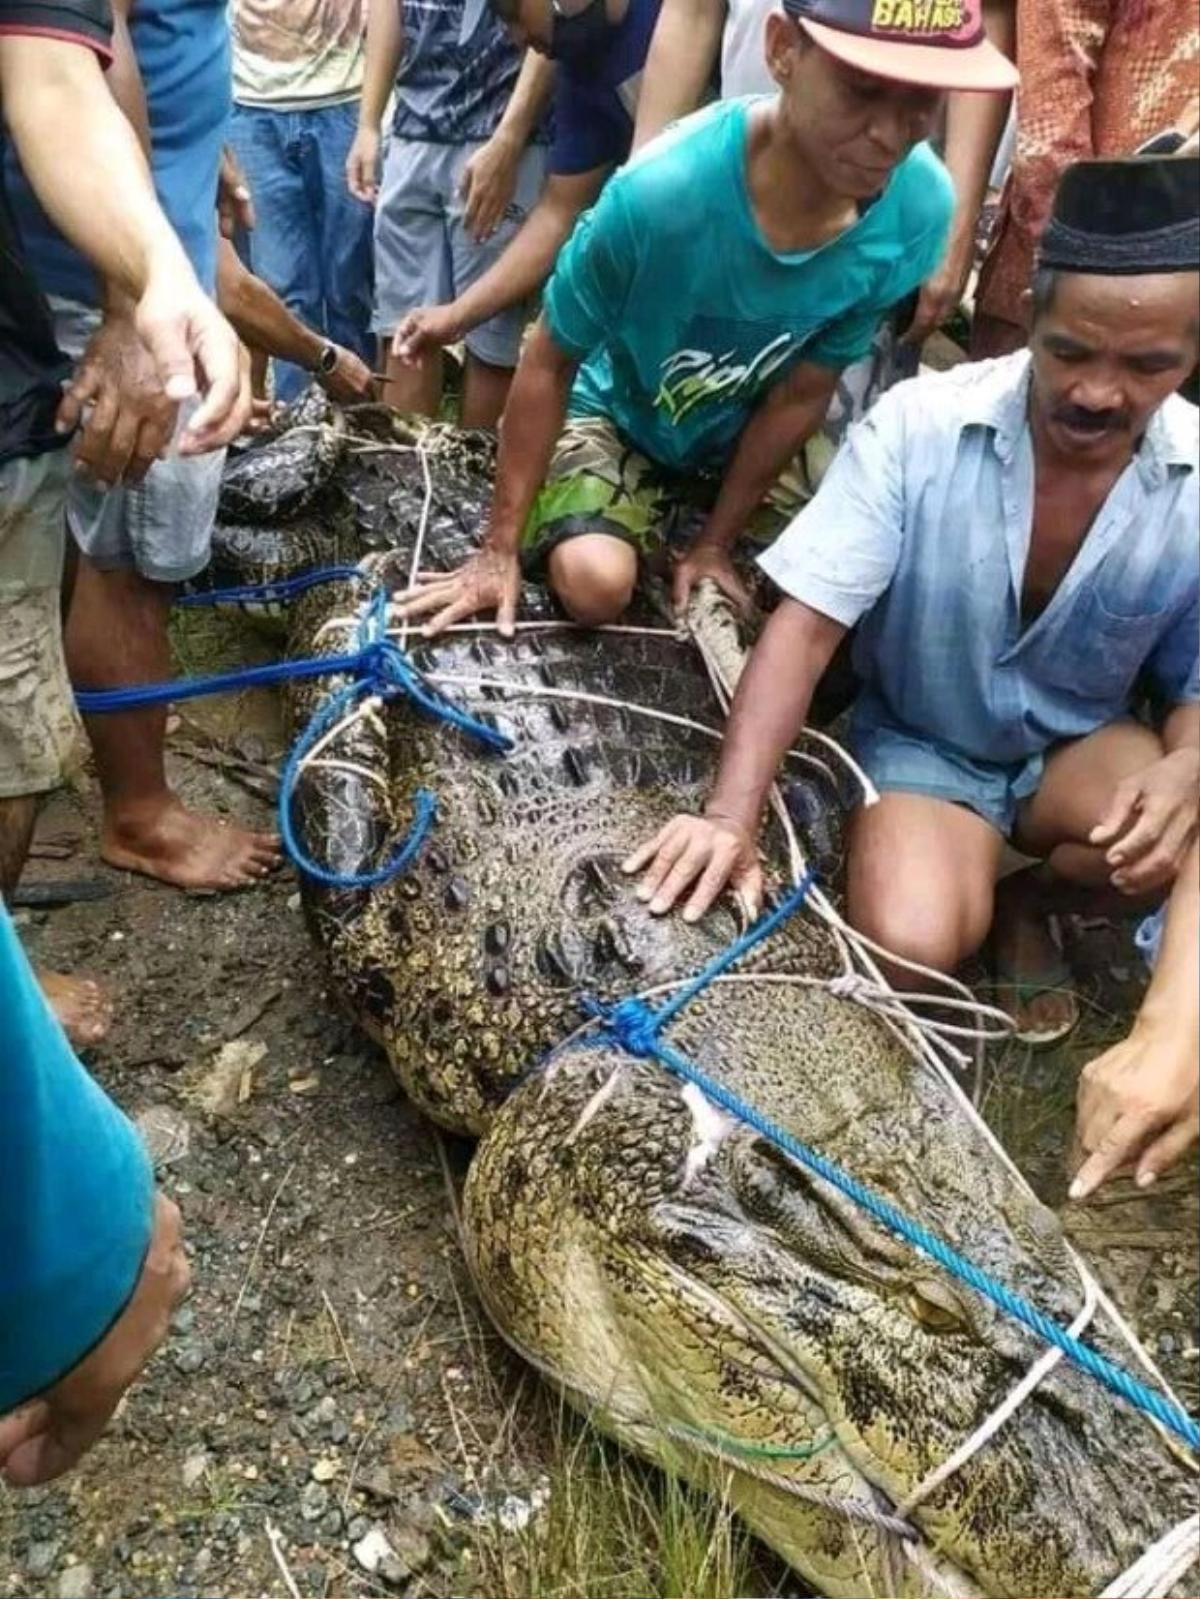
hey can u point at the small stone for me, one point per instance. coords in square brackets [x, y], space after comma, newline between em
[194, 1467]
[77, 1582]
[314, 1501]
[202, 1560]
[331, 1523]
[410, 1552]
[377, 1483]
[338, 1431]
[189, 1357]
[325, 1470]
[359, 1528]
[184, 1319]
[322, 1413]
[371, 1550]
[39, 1562]
[305, 1087]
[166, 1134]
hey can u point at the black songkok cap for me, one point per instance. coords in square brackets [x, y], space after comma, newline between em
[1119, 218]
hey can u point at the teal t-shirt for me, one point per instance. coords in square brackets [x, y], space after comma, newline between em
[684, 316]
[76, 1193]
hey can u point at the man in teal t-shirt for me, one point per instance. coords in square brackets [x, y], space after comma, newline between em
[703, 310]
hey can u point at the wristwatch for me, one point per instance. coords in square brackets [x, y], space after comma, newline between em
[326, 361]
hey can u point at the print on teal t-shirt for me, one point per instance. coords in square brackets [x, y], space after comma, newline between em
[76, 1193]
[682, 314]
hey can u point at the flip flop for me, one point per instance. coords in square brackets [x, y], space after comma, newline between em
[1057, 980]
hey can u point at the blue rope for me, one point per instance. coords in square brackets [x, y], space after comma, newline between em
[376, 666]
[284, 588]
[636, 1026]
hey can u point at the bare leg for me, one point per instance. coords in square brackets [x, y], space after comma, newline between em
[485, 393]
[414, 387]
[1073, 875]
[117, 635]
[593, 575]
[921, 880]
[81, 1005]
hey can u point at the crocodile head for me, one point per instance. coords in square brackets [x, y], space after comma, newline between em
[718, 1308]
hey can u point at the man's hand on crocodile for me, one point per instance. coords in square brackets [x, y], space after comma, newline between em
[713, 852]
[707, 560]
[489, 581]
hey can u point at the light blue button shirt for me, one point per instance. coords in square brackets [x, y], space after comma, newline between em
[921, 531]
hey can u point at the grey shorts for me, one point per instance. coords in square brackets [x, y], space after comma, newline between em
[160, 527]
[423, 252]
[41, 739]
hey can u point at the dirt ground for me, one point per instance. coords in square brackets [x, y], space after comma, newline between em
[330, 1376]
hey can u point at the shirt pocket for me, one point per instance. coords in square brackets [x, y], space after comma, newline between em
[1098, 650]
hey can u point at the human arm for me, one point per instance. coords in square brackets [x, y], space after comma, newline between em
[1152, 820]
[84, 163]
[1139, 1102]
[490, 176]
[974, 126]
[680, 63]
[385, 45]
[705, 854]
[93, 1263]
[519, 273]
[792, 411]
[263, 322]
[533, 420]
[235, 204]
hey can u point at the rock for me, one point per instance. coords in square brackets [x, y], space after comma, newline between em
[166, 1134]
[325, 1470]
[228, 1080]
[331, 1523]
[377, 1483]
[323, 1412]
[410, 1550]
[189, 1356]
[359, 1528]
[183, 1320]
[202, 1560]
[314, 1501]
[39, 1562]
[338, 1431]
[194, 1467]
[372, 1549]
[77, 1582]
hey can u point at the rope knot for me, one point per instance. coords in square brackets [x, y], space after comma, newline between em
[631, 1023]
[853, 985]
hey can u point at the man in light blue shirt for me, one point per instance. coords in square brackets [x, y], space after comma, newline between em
[1017, 541]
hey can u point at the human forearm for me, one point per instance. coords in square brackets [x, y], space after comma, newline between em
[84, 162]
[521, 270]
[1181, 731]
[770, 708]
[528, 100]
[769, 441]
[1172, 1003]
[385, 42]
[533, 420]
[680, 63]
[259, 317]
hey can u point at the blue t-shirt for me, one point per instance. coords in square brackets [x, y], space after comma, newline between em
[183, 53]
[456, 74]
[682, 314]
[594, 107]
[76, 1193]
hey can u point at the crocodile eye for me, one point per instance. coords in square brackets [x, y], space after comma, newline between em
[936, 1308]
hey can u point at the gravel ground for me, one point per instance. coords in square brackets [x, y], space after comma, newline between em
[329, 1391]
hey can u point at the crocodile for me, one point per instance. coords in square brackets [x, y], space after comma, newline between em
[691, 1290]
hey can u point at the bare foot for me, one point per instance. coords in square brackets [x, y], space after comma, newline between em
[82, 1007]
[1032, 981]
[179, 847]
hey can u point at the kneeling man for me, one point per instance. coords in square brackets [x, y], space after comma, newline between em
[698, 318]
[1017, 542]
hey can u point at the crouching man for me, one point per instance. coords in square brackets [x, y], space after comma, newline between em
[1017, 541]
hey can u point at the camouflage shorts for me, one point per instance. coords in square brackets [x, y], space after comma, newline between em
[598, 483]
[41, 740]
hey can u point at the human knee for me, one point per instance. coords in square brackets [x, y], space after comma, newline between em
[921, 930]
[593, 587]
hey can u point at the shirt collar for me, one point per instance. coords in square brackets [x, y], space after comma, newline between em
[1000, 401]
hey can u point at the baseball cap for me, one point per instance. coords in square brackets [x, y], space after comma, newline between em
[934, 44]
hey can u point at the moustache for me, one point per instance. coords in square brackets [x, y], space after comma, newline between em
[1084, 421]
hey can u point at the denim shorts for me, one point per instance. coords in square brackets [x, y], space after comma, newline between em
[423, 252]
[899, 761]
[160, 527]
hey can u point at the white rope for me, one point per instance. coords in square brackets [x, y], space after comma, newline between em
[987, 1430]
[352, 767]
[1161, 1567]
